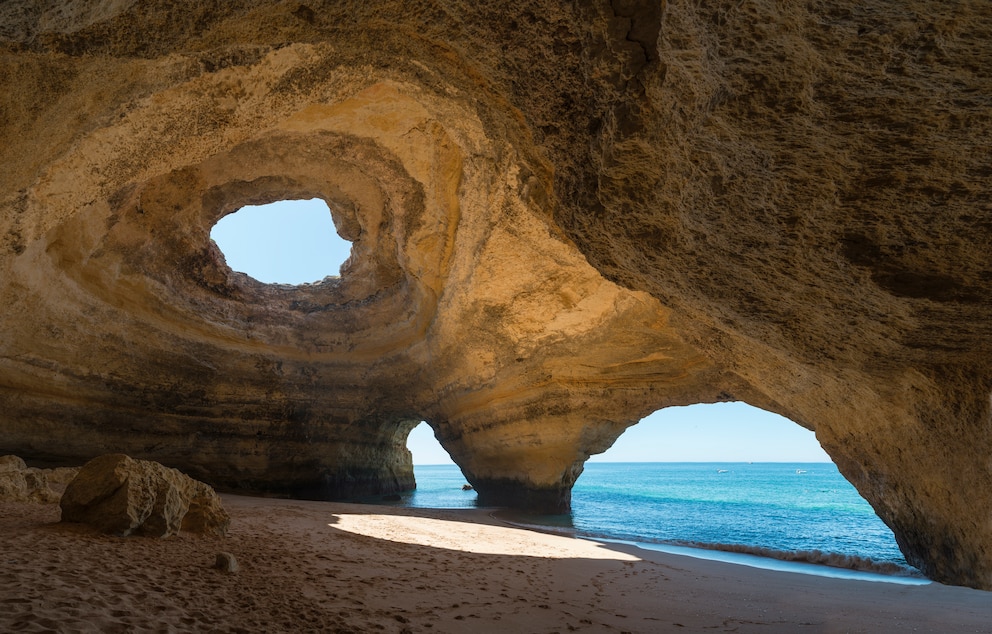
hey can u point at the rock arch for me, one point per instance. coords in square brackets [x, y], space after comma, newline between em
[564, 218]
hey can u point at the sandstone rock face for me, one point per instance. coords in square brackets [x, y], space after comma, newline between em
[121, 496]
[563, 217]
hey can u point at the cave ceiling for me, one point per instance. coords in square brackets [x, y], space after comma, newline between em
[563, 217]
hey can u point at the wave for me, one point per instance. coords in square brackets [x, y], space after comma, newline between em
[816, 557]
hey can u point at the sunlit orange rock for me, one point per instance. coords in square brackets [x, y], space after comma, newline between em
[563, 219]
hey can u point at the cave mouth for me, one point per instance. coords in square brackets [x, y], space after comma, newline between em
[425, 448]
[285, 242]
[732, 478]
[440, 482]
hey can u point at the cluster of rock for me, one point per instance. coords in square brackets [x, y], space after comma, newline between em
[119, 495]
[122, 496]
[21, 483]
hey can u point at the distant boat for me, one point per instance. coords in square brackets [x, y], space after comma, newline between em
[721, 471]
[800, 471]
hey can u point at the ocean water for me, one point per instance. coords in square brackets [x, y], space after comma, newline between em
[795, 512]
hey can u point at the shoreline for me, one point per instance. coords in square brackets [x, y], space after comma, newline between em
[767, 510]
[797, 566]
[852, 567]
[334, 567]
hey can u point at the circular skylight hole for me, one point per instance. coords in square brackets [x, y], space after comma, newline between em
[285, 242]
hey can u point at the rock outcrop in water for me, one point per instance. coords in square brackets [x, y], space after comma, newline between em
[563, 219]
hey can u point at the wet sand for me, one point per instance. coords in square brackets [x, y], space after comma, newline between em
[327, 567]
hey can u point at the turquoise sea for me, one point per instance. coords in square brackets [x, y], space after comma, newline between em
[791, 512]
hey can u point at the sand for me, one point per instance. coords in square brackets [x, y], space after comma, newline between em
[326, 567]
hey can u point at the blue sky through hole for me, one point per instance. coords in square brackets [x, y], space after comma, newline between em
[721, 432]
[286, 242]
[294, 242]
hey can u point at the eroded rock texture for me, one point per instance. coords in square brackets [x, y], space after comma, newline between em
[21, 483]
[121, 496]
[564, 217]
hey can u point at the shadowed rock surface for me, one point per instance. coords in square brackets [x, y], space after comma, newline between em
[21, 483]
[120, 496]
[564, 218]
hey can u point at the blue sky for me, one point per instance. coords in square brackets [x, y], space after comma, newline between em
[289, 242]
[293, 242]
[721, 432]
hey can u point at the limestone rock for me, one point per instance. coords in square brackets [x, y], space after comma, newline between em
[226, 562]
[12, 463]
[20, 483]
[565, 216]
[13, 484]
[121, 496]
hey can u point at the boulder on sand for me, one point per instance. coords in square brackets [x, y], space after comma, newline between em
[121, 496]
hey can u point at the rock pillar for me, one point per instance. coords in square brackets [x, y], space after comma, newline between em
[528, 463]
[925, 470]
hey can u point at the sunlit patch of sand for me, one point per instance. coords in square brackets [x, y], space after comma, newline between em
[473, 538]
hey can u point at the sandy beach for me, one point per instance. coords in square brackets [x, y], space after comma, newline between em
[327, 567]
